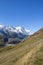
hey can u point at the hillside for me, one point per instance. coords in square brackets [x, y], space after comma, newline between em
[28, 52]
[36, 58]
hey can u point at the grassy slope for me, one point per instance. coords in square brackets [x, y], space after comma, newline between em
[30, 54]
[12, 55]
[36, 59]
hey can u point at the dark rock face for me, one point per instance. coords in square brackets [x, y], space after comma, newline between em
[5, 39]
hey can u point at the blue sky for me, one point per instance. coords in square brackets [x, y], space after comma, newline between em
[25, 13]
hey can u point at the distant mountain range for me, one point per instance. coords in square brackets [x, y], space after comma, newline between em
[14, 32]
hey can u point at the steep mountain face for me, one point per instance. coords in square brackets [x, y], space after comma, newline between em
[14, 32]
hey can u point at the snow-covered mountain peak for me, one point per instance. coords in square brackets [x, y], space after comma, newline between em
[19, 27]
[18, 30]
[12, 33]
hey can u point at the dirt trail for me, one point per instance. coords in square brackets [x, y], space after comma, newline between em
[28, 55]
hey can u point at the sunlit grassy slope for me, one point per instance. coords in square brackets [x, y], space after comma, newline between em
[25, 53]
[36, 58]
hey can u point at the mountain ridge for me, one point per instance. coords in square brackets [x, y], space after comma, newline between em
[12, 33]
